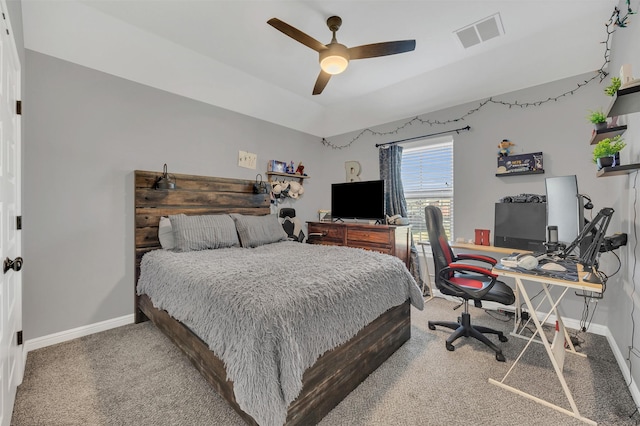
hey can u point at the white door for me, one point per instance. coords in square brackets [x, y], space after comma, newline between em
[11, 358]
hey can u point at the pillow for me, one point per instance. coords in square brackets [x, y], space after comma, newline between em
[165, 234]
[256, 231]
[203, 232]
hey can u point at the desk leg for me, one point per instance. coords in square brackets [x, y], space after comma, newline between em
[557, 363]
[427, 280]
[518, 316]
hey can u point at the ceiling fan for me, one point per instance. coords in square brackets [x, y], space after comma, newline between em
[335, 57]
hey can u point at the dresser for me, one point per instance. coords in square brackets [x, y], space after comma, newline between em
[390, 239]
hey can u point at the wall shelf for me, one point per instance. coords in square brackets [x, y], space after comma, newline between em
[626, 101]
[285, 175]
[528, 172]
[618, 170]
[609, 132]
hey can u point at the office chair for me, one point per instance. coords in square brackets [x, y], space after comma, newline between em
[470, 282]
[291, 224]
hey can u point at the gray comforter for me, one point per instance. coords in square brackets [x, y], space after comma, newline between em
[269, 312]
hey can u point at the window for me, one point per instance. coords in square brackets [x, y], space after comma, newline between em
[427, 179]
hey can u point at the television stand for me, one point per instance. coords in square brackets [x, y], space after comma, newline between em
[390, 239]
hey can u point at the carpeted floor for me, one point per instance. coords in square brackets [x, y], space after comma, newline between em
[134, 375]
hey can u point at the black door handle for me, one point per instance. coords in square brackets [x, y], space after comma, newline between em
[15, 264]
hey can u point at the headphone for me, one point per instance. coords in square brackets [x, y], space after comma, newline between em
[588, 205]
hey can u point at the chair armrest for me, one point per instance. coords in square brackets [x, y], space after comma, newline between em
[479, 258]
[475, 293]
[460, 267]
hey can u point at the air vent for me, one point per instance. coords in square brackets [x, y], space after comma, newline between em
[480, 31]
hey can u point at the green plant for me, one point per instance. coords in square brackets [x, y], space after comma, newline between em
[612, 89]
[608, 147]
[597, 117]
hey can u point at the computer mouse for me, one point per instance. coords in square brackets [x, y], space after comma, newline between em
[551, 266]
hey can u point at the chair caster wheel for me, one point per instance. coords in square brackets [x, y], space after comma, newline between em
[450, 347]
[500, 357]
[503, 338]
[431, 326]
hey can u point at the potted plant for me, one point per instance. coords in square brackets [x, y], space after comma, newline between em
[612, 89]
[598, 118]
[606, 153]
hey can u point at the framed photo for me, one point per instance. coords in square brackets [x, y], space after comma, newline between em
[324, 215]
[277, 166]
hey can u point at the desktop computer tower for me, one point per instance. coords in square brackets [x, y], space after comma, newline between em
[520, 226]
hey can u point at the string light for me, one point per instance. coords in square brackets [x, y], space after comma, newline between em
[614, 21]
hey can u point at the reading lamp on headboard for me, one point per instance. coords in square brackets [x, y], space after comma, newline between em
[166, 181]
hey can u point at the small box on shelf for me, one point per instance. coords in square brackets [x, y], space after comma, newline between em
[520, 164]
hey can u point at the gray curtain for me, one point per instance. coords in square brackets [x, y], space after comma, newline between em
[395, 203]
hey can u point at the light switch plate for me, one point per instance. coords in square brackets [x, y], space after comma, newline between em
[247, 159]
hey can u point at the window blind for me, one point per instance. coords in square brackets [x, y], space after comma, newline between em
[427, 179]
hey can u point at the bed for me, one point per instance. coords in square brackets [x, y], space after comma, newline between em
[323, 376]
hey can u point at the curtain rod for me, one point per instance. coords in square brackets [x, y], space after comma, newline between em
[424, 136]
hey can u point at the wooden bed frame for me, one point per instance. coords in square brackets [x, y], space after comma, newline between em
[334, 375]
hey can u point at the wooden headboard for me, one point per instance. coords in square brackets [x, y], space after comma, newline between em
[193, 195]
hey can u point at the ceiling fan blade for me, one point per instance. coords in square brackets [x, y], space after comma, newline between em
[321, 82]
[381, 49]
[296, 34]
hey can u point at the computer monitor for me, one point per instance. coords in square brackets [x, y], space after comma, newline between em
[520, 226]
[564, 207]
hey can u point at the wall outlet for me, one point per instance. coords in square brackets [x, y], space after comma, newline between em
[247, 159]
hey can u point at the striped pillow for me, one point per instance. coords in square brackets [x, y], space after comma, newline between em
[256, 231]
[203, 232]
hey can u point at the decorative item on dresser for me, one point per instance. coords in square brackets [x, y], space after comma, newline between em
[333, 375]
[389, 239]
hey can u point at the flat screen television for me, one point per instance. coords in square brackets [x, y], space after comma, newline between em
[358, 200]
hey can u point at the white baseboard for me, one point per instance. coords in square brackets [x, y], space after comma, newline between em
[63, 336]
[624, 368]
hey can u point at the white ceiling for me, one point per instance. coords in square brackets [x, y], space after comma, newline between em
[223, 52]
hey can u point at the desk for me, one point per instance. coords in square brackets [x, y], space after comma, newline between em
[492, 249]
[561, 343]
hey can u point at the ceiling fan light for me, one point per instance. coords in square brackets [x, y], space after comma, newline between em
[334, 64]
[335, 59]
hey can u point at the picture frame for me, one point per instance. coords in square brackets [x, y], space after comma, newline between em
[324, 215]
[277, 166]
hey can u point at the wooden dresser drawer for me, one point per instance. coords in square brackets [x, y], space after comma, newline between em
[388, 239]
[364, 245]
[369, 235]
[320, 233]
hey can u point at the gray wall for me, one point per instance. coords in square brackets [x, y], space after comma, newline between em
[88, 131]
[622, 294]
[558, 129]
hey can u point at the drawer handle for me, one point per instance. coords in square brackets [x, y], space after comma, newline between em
[318, 234]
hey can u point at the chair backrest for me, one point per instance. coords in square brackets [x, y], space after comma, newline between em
[291, 224]
[442, 253]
